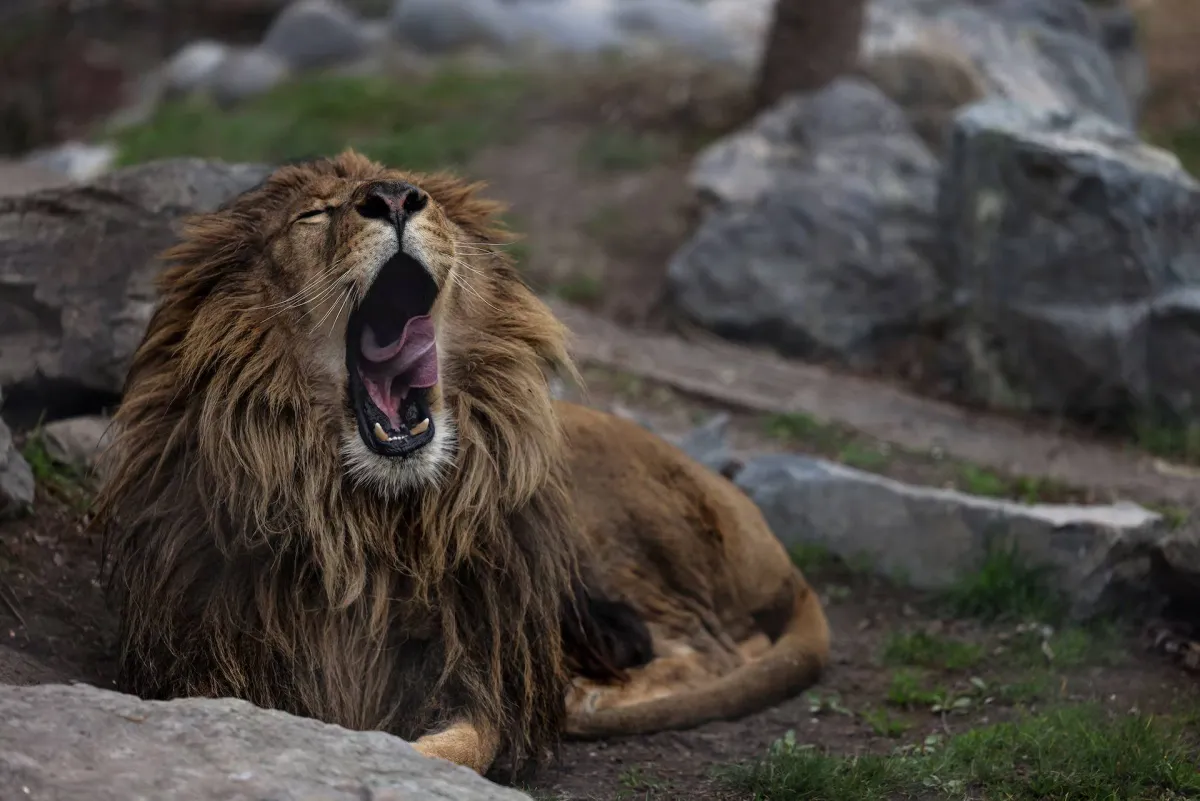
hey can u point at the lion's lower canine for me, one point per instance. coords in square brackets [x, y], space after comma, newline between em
[340, 487]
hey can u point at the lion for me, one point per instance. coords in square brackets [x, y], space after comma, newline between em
[340, 486]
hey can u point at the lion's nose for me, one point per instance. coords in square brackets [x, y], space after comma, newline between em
[392, 200]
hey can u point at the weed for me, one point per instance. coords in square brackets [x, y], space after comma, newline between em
[864, 457]
[908, 692]
[1099, 643]
[1077, 753]
[1174, 517]
[584, 290]
[61, 480]
[1006, 588]
[637, 783]
[831, 702]
[812, 558]
[883, 724]
[1176, 441]
[612, 149]
[920, 649]
[420, 125]
[979, 481]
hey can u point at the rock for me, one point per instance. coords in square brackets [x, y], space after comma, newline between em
[77, 441]
[193, 67]
[75, 161]
[79, 741]
[708, 445]
[245, 73]
[1119, 34]
[442, 26]
[819, 236]
[16, 479]
[310, 34]
[77, 265]
[930, 538]
[1070, 246]
[1044, 54]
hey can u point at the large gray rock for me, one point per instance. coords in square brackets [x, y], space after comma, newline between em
[77, 441]
[77, 265]
[80, 742]
[310, 34]
[441, 26]
[16, 479]
[931, 538]
[245, 73]
[1044, 54]
[1071, 247]
[819, 236]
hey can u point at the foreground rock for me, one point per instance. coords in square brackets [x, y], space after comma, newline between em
[81, 742]
[77, 265]
[819, 235]
[1072, 250]
[931, 538]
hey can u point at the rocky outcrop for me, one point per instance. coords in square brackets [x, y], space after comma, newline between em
[1071, 248]
[76, 742]
[77, 266]
[819, 234]
[928, 538]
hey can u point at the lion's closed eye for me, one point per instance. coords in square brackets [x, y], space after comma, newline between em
[313, 215]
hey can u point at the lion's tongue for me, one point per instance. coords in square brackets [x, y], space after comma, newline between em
[390, 371]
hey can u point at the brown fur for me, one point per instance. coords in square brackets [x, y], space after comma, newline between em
[246, 563]
[568, 571]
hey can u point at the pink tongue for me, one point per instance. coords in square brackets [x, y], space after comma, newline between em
[390, 371]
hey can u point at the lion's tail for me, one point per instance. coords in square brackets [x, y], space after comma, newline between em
[794, 662]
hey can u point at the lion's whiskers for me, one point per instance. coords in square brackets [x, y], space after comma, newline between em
[297, 298]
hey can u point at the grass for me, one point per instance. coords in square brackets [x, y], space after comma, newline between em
[1005, 588]
[883, 724]
[584, 290]
[616, 149]
[60, 480]
[919, 649]
[421, 125]
[1078, 753]
[1177, 442]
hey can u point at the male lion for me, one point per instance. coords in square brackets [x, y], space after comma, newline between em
[340, 486]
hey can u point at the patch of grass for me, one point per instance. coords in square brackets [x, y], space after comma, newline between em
[980, 481]
[919, 649]
[800, 427]
[1078, 753]
[421, 125]
[1174, 517]
[1100, 643]
[61, 480]
[1174, 441]
[1184, 143]
[864, 457]
[638, 783]
[812, 558]
[908, 691]
[1006, 588]
[614, 149]
[883, 724]
[585, 290]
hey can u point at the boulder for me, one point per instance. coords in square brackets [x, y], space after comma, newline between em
[1070, 247]
[443, 26]
[931, 538]
[310, 34]
[78, 741]
[819, 235]
[77, 265]
[1043, 54]
[708, 445]
[77, 441]
[193, 67]
[16, 479]
[245, 73]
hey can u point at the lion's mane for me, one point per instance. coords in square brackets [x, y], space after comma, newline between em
[245, 562]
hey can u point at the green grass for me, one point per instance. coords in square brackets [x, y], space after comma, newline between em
[919, 649]
[421, 125]
[615, 149]
[1005, 588]
[1075, 754]
[883, 724]
[1184, 143]
[585, 290]
[61, 480]
[1174, 441]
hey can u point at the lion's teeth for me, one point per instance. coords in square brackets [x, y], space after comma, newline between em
[380, 434]
[419, 428]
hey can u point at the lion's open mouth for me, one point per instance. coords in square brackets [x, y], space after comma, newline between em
[391, 357]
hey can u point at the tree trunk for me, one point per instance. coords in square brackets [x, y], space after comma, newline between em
[811, 42]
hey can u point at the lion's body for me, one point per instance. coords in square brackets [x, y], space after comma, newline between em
[531, 568]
